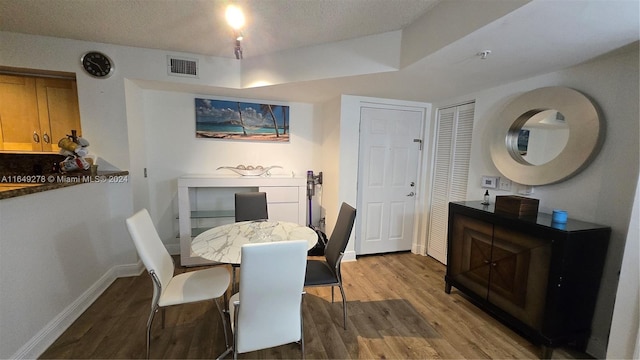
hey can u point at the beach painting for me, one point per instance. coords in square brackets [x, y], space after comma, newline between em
[237, 120]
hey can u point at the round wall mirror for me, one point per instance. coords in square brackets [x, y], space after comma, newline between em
[546, 135]
[540, 139]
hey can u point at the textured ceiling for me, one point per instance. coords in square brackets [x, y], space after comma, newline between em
[198, 26]
[538, 37]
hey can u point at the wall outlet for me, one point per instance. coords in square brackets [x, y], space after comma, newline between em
[526, 190]
[504, 184]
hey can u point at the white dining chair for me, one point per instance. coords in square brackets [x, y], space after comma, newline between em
[168, 290]
[267, 312]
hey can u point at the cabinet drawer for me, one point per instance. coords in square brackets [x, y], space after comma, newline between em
[280, 194]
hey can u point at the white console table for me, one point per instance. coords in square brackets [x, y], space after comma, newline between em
[206, 201]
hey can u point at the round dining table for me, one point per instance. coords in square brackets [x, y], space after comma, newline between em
[223, 243]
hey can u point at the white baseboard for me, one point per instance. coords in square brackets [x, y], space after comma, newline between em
[349, 256]
[419, 249]
[45, 337]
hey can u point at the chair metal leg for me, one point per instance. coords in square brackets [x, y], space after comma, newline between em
[332, 294]
[164, 310]
[234, 289]
[344, 305]
[149, 323]
[301, 328]
[235, 331]
[228, 347]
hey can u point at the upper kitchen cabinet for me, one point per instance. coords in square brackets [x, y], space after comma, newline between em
[36, 112]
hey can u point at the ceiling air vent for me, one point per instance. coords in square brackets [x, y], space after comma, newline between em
[182, 66]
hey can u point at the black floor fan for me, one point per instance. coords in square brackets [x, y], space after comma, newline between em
[318, 249]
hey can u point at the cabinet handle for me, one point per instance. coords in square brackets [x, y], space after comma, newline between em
[46, 138]
[485, 261]
[36, 137]
[494, 264]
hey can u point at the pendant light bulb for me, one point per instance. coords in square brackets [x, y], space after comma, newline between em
[235, 17]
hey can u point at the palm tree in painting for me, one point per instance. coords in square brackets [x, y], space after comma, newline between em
[244, 132]
[267, 108]
[284, 120]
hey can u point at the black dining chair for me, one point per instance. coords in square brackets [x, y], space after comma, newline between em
[327, 272]
[251, 206]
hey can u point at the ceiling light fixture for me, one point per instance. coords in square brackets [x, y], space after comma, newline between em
[484, 54]
[238, 50]
[235, 19]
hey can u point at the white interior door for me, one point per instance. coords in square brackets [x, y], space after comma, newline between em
[390, 144]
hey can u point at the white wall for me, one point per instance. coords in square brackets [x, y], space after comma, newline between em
[624, 341]
[603, 192]
[330, 162]
[172, 150]
[59, 250]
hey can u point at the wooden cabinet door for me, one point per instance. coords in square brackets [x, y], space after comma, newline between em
[58, 110]
[19, 123]
[519, 275]
[35, 113]
[470, 253]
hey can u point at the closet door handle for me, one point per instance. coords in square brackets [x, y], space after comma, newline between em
[36, 137]
[46, 138]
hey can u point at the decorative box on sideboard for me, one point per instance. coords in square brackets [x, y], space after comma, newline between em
[518, 206]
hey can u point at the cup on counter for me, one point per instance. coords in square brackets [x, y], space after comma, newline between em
[559, 216]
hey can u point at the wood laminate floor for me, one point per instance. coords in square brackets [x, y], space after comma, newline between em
[396, 307]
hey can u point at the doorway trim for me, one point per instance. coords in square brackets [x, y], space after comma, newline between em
[349, 156]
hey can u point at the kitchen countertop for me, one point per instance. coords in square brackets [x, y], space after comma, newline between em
[16, 185]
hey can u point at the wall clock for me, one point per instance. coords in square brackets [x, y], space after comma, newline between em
[97, 64]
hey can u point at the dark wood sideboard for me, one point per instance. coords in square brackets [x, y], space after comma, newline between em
[539, 278]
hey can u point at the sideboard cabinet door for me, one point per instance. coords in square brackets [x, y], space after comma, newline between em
[519, 275]
[470, 253]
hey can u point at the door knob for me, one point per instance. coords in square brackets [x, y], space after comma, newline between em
[411, 194]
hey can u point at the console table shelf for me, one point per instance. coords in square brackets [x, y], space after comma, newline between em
[207, 214]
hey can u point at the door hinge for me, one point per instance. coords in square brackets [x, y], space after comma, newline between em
[418, 141]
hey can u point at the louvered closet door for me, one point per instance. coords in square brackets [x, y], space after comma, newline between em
[454, 127]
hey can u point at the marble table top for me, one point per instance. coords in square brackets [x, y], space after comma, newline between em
[223, 243]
